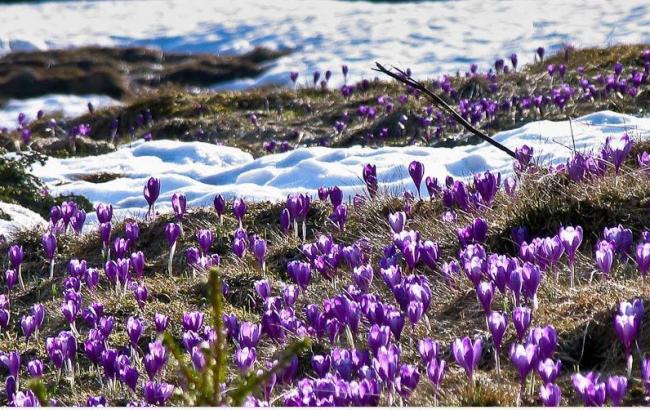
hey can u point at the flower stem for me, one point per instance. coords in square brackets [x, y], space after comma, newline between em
[20, 277]
[51, 268]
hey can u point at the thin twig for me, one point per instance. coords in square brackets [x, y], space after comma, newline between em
[573, 140]
[406, 79]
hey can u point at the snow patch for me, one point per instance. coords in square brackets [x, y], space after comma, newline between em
[66, 105]
[19, 218]
[201, 170]
[431, 37]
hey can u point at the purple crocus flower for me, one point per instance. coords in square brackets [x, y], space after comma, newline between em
[627, 323]
[96, 401]
[523, 357]
[521, 318]
[300, 272]
[4, 318]
[156, 393]
[484, 293]
[370, 178]
[151, 192]
[467, 354]
[49, 247]
[105, 235]
[433, 187]
[263, 288]
[249, 334]
[378, 336]
[28, 325]
[239, 247]
[513, 60]
[161, 322]
[532, 277]
[415, 311]
[11, 361]
[259, 250]
[429, 349]
[290, 295]
[132, 231]
[362, 277]
[604, 257]
[121, 246]
[510, 184]
[140, 292]
[323, 193]
[35, 368]
[618, 149]
[25, 399]
[592, 391]
[487, 185]
[571, 239]
[16, 256]
[616, 388]
[642, 257]
[336, 196]
[548, 370]
[192, 321]
[620, 238]
[321, 364]
[245, 358]
[550, 395]
[104, 213]
[219, 206]
[416, 170]
[545, 338]
[395, 321]
[78, 220]
[497, 323]
[11, 277]
[179, 205]
[435, 374]
[340, 216]
[524, 155]
[134, 329]
[407, 380]
[205, 238]
[68, 209]
[285, 220]
[397, 221]
[645, 374]
[386, 363]
[239, 209]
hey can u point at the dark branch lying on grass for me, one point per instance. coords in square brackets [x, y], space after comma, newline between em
[440, 103]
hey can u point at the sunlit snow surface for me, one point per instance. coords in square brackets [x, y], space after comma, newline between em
[66, 105]
[430, 37]
[19, 218]
[201, 170]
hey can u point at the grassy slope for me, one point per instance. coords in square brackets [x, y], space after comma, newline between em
[307, 115]
[582, 317]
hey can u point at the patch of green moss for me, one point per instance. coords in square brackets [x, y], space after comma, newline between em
[18, 186]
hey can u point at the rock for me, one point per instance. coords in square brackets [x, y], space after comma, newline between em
[120, 72]
[63, 147]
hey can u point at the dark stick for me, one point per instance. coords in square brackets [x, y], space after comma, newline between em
[406, 79]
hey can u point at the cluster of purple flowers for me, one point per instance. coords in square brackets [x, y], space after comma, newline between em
[365, 325]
